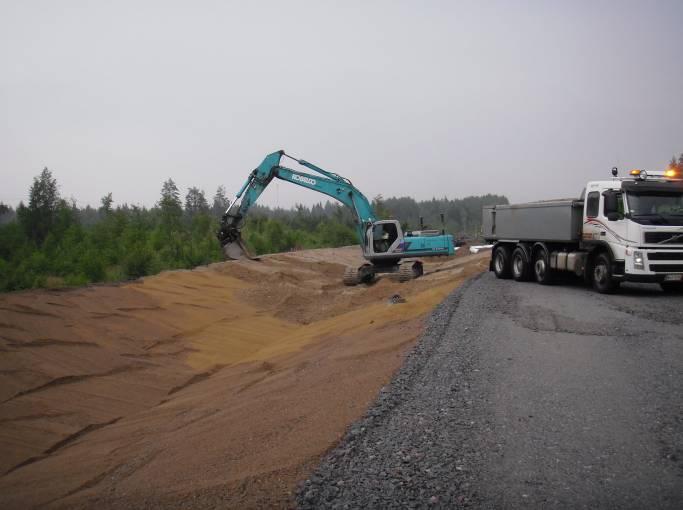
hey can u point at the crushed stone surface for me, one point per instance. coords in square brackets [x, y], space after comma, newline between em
[521, 395]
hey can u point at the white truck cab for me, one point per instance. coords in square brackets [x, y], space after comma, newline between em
[641, 221]
[623, 229]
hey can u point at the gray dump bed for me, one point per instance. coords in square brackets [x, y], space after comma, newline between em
[554, 220]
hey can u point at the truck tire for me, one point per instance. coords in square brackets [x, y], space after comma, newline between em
[501, 262]
[521, 268]
[602, 275]
[543, 273]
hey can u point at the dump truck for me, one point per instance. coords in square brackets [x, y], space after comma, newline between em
[627, 229]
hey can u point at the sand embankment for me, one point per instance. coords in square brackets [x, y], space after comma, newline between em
[220, 386]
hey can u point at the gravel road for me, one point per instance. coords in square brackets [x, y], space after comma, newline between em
[520, 395]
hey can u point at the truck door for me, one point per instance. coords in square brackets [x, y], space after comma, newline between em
[599, 224]
[612, 213]
[591, 223]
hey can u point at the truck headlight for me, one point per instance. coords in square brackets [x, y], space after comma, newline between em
[638, 260]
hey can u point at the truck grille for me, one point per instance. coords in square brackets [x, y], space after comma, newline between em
[666, 268]
[658, 237]
[662, 255]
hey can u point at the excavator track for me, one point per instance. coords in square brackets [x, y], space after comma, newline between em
[354, 275]
[351, 276]
[410, 271]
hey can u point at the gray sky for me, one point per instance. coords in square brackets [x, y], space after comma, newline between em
[422, 98]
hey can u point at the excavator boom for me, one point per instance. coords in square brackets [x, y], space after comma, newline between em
[328, 183]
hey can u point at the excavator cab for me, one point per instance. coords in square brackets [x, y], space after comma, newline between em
[386, 236]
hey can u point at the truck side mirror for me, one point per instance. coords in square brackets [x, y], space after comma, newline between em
[611, 207]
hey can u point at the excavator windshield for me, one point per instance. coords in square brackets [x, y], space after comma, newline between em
[383, 236]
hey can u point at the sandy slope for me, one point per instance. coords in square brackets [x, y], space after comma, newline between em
[217, 386]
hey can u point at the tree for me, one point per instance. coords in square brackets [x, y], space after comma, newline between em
[106, 202]
[195, 202]
[170, 196]
[680, 162]
[38, 217]
[6, 214]
[380, 209]
[220, 202]
[170, 205]
[71, 245]
[672, 163]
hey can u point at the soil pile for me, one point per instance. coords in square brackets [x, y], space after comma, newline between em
[218, 386]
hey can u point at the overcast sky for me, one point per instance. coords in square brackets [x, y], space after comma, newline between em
[421, 98]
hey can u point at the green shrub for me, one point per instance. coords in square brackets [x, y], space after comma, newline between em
[114, 274]
[92, 266]
[76, 280]
[137, 262]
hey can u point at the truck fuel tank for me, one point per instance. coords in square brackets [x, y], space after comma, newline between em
[573, 261]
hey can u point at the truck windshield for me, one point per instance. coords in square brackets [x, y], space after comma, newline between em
[656, 208]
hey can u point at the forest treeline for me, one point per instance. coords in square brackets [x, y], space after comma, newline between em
[676, 164]
[52, 242]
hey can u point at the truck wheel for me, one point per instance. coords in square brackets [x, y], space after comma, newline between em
[602, 275]
[672, 287]
[501, 262]
[521, 269]
[543, 273]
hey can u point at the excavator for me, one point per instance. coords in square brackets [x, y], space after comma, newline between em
[385, 246]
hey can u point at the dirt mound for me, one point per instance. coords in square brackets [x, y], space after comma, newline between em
[220, 386]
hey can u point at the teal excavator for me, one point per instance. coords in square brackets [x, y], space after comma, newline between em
[383, 242]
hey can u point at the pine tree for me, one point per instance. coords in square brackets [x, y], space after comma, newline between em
[106, 202]
[195, 202]
[220, 202]
[7, 214]
[380, 209]
[39, 216]
[170, 196]
[170, 205]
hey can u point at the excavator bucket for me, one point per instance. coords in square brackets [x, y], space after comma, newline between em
[233, 251]
[236, 250]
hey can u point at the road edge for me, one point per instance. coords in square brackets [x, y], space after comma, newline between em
[391, 395]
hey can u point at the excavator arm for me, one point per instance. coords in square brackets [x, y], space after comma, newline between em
[328, 183]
